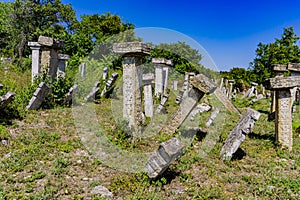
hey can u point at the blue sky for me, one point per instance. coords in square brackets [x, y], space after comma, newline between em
[229, 30]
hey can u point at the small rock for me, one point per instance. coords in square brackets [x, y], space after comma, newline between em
[79, 161]
[103, 191]
[85, 179]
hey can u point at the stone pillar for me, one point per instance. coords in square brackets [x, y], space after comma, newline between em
[175, 85]
[133, 53]
[61, 68]
[161, 75]
[147, 79]
[200, 85]
[35, 56]
[105, 74]
[283, 112]
[294, 68]
[221, 83]
[82, 69]
[231, 82]
[278, 70]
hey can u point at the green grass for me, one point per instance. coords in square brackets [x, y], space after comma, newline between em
[45, 159]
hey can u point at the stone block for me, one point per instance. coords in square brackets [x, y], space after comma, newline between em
[203, 83]
[162, 61]
[167, 153]
[132, 48]
[282, 82]
[38, 97]
[6, 99]
[51, 42]
[238, 134]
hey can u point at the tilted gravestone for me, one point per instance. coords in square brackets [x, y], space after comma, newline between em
[212, 117]
[283, 108]
[132, 53]
[6, 99]
[225, 101]
[167, 153]
[38, 97]
[238, 134]
[93, 92]
[201, 85]
[161, 106]
[69, 95]
[111, 81]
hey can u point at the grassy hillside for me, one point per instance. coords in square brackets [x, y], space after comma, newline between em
[42, 157]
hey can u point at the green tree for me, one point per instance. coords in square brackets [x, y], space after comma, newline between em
[282, 51]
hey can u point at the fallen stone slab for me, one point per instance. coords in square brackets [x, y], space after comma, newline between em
[203, 107]
[93, 92]
[69, 95]
[167, 153]
[6, 99]
[212, 117]
[38, 97]
[238, 134]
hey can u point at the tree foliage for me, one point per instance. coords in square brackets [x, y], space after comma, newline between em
[282, 51]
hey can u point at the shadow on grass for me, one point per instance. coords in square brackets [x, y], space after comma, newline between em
[239, 154]
[169, 175]
[270, 137]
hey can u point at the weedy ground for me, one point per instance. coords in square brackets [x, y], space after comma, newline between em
[42, 157]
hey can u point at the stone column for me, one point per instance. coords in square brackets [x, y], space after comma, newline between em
[161, 75]
[35, 56]
[283, 112]
[147, 79]
[278, 70]
[294, 68]
[133, 53]
[221, 83]
[231, 82]
[61, 68]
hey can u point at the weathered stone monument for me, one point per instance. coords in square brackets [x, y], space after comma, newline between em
[132, 53]
[109, 84]
[161, 75]
[201, 85]
[161, 106]
[238, 134]
[6, 99]
[45, 56]
[283, 107]
[167, 153]
[93, 92]
[225, 101]
[38, 97]
[62, 64]
[175, 85]
[69, 95]
[147, 80]
[231, 83]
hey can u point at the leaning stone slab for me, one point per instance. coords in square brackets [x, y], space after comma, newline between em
[38, 97]
[111, 81]
[6, 99]
[93, 92]
[238, 134]
[69, 95]
[167, 153]
[201, 85]
[226, 102]
[162, 104]
[212, 117]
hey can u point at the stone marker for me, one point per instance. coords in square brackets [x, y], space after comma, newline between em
[62, 64]
[38, 97]
[221, 83]
[175, 85]
[161, 75]
[294, 68]
[69, 95]
[167, 153]
[105, 74]
[283, 109]
[203, 107]
[229, 94]
[147, 80]
[238, 134]
[132, 53]
[211, 118]
[82, 69]
[200, 85]
[6, 99]
[162, 104]
[111, 81]
[259, 97]
[225, 101]
[93, 92]
[35, 56]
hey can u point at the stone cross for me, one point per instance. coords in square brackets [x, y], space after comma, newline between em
[201, 85]
[132, 53]
[283, 109]
[161, 75]
[147, 80]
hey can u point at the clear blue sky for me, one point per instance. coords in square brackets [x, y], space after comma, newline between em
[228, 29]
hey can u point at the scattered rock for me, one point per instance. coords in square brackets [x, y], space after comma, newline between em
[103, 191]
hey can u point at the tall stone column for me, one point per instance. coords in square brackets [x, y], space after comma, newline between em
[283, 116]
[35, 56]
[161, 75]
[147, 79]
[132, 53]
